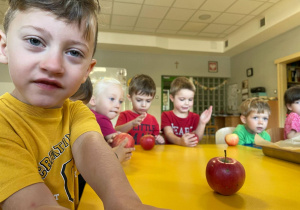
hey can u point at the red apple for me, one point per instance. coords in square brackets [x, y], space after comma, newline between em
[147, 142]
[195, 135]
[225, 175]
[232, 139]
[121, 137]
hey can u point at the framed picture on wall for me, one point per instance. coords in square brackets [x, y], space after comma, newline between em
[213, 66]
[245, 90]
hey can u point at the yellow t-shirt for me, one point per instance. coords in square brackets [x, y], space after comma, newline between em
[35, 146]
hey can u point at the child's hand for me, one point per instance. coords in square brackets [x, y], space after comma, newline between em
[110, 138]
[205, 116]
[123, 153]
[159, 139]
[137, 121]
[189, 140]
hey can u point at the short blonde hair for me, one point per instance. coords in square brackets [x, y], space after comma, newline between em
[181, 83]
[103, 83]
[254, 104]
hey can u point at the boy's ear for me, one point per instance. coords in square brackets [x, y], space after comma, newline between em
[92, 102]
[243, 119]
[89, 70]
[171, 97]
[129, 97]
[3, 56]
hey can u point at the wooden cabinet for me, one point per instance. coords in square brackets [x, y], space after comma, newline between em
[274, 117]
[227, 121]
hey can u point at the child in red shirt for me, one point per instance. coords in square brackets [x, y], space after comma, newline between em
[137, 122]
[180, 125]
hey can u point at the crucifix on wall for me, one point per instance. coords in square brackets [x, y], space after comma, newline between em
[176, 64]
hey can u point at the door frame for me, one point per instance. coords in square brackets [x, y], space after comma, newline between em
[282, 83]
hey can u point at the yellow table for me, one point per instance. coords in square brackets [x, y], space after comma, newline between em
[173, 177]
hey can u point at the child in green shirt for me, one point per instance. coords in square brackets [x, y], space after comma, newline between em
[254, 116]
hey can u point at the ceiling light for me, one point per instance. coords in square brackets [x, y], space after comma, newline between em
[204, 17]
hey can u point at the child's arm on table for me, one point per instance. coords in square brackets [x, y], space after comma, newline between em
[131, 124]
[204, 119]
[292, 134]
[187, 139]
[36, 196]
[159, 139]
[102, 170]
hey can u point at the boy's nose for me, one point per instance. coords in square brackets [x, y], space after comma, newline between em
[117, 104]
[53, 62]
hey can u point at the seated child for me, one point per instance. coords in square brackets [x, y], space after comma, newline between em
[292, 121]
[137, 122]
[180, 125]
[106, 105]
[45, 137]
[84, 93]
[254, 116]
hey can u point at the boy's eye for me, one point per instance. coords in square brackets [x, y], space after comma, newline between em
[266, 119]
[34, 41]
[120, 102]
[255, 118]
[190, 99]
[112, 99]
[75, 53]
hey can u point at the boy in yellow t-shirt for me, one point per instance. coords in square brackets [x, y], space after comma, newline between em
[49, 47]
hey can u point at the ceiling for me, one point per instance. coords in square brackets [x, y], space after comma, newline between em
[198, 26]
[207, 19]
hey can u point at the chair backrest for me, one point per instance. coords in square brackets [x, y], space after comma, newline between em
[221, 133]
[276, 134]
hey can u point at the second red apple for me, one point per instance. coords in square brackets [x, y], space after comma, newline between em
[147, 142]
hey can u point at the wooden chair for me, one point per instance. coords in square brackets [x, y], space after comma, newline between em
[209, 130]
[221, 133]
[209, 127]
[276, 134]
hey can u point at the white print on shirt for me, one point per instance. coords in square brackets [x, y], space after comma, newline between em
[179, 131]
[56, 196]
[46, 163]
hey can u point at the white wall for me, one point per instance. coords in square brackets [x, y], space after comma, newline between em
[6, 87]
[156, 65]
[261, 59]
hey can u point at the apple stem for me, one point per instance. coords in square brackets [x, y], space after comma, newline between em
[225, 155]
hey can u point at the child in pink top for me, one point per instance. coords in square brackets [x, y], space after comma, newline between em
[108, 96]
[292, 121]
